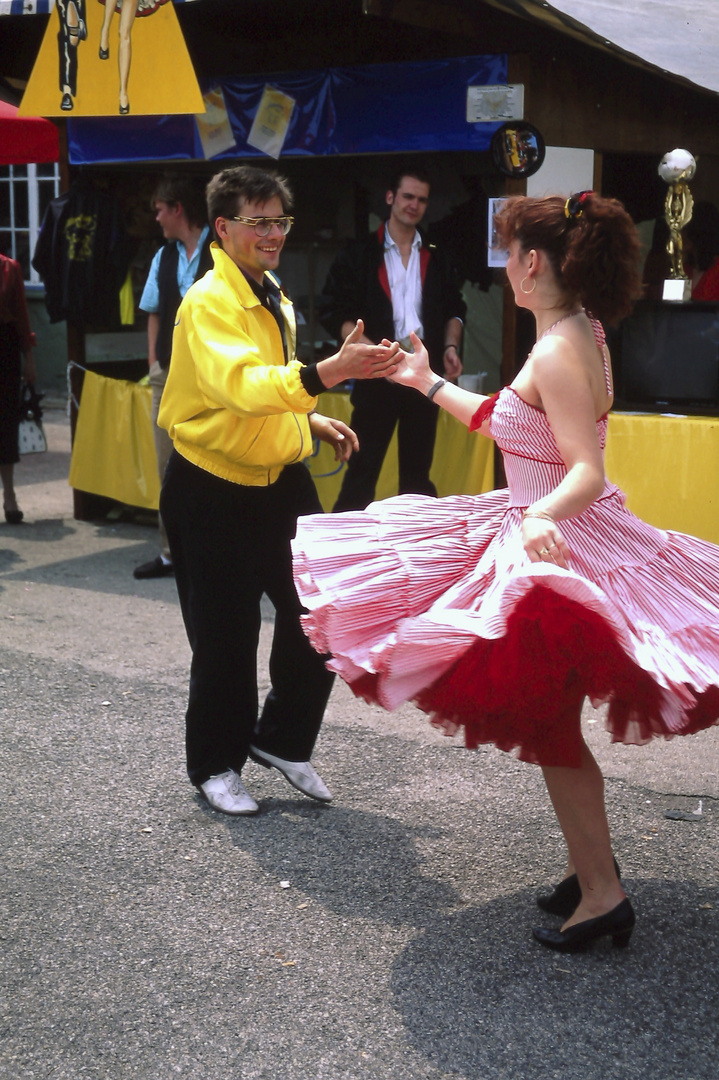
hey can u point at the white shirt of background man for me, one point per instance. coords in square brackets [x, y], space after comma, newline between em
[405, 286]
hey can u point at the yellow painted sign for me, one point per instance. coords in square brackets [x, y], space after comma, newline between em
[127, 58]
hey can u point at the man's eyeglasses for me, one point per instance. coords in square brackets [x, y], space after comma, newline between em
[263, 225]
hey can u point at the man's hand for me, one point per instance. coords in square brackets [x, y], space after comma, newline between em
[358, 359]
[452, 362]
[336, 433]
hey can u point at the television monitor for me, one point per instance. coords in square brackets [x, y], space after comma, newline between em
[666, 358]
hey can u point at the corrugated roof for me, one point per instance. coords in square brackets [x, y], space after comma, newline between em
[678, 37]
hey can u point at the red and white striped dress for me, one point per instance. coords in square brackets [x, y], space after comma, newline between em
[435, 601]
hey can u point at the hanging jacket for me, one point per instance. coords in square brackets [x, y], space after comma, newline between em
[83, 254]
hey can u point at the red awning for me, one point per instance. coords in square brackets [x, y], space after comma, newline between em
[26, 139]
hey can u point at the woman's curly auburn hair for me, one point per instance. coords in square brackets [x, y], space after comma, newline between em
[595, 254]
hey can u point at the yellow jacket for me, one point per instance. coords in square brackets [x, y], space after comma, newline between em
[231, 405]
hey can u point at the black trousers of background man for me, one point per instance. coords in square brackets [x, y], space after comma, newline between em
[378, 407]
[230, 543]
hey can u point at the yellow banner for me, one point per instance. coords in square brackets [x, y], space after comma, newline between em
[114, 452]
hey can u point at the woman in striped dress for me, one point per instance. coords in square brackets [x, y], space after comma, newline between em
[502, 612]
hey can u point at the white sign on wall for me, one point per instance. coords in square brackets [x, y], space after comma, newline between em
[565, 170]
[487, 104]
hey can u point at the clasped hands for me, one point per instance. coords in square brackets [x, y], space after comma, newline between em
[362, 359]
[359, 358]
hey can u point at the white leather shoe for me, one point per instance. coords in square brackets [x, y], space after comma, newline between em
[225, 792]
[299, 773]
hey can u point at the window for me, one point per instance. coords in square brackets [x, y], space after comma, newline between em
[25, 191]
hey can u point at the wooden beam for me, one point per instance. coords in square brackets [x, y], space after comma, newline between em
[427, 14]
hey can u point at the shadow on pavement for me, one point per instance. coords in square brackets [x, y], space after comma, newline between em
[613, 1012]
[107, 571]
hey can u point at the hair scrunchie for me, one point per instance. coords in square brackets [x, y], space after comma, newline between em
[573, 207]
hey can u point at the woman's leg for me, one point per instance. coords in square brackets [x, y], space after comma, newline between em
[8, 490]
[10, 384]
[105, 32]
[127, 17]
[578, 799]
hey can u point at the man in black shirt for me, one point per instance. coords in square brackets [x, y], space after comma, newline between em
[396, 283]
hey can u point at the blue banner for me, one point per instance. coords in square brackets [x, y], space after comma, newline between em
[376, 109]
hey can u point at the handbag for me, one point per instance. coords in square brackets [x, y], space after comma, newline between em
[31, 436]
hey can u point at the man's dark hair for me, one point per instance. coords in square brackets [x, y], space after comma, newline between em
[176, 189]
[416, 174]
[229, 189]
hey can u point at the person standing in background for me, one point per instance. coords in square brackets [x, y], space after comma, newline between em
[701, 251]
[16, 345]
[397, 284]
[179, 206]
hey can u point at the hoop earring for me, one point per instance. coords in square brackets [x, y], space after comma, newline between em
[528, 292]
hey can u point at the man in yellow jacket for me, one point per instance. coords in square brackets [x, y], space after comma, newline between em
[241, 412]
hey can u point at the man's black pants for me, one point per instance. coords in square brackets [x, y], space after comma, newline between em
[230, 543]
[378, 407]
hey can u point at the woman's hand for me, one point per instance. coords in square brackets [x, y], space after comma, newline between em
[543, 541]
[413, 368]
[336, 433]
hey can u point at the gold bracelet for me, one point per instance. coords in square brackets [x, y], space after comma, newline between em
[537, 514]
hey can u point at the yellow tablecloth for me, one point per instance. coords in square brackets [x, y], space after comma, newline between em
[667, 465]
[114, 455]
[669, 468]
[113, 451]
[463, 462]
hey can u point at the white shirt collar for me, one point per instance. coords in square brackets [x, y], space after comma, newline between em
[390, 243]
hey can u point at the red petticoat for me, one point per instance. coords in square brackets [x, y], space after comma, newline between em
[523, 691]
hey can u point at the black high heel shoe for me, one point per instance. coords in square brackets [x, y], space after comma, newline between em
[104, 53]
[619, 922]
[564, 898]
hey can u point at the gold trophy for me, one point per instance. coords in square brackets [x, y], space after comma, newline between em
[676, 169]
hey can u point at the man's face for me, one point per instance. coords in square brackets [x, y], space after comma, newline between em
[252, 253]
[409, 203]
[168, 217]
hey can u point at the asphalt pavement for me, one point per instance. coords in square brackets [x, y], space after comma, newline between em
[386, 936]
